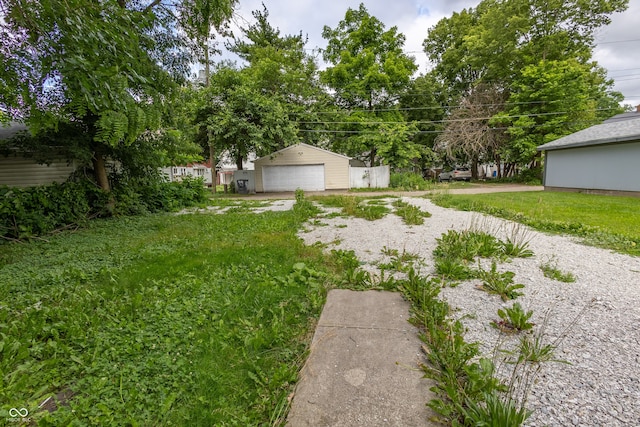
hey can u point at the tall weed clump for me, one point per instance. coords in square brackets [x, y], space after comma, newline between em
[468, 393]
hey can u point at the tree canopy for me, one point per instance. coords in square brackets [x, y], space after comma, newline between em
[537, 55]
[369, 71]
[106, 79]
[106, 67]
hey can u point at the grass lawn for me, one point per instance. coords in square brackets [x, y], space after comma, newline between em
[607, 221]
[195, 320]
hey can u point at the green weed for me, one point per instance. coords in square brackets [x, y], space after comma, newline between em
[514, 319]
[398, 261]
[410, 214]
[551, 270]
[498, 283]
[354, 206]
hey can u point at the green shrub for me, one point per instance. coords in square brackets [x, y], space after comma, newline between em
[31, 212]
[139, 195]
[409, 181]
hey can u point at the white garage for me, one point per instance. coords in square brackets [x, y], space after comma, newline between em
[289, 178]
[302, 166]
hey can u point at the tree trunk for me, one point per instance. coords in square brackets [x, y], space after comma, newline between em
[372, 157]
[100, 171]
[100, 174]
[239, 162]
[207, 67]
[212, 160]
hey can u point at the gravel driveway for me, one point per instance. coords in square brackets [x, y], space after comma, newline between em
[601, 385]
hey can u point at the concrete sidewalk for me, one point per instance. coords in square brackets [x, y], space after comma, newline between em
[363, 368]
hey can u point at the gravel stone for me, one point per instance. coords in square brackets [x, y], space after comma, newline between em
[596, 319]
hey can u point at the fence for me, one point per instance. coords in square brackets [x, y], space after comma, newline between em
[375, 177]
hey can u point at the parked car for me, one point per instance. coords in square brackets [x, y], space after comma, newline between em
[456, 174]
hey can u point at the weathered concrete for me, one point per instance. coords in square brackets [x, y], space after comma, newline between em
[363, 368]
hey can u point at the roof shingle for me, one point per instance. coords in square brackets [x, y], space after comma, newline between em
[605, 133]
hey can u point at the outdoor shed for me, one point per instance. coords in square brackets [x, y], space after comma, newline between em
[301, 166]
[601, 159]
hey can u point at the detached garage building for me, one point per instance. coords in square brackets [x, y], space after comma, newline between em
[301, 166]
[601, 159]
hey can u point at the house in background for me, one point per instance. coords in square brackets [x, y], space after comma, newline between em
[602, 159]
[191, 170]
[17, 170]
[224, 171]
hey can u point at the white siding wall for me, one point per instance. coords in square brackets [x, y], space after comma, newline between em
[605, 167]
[23, 172]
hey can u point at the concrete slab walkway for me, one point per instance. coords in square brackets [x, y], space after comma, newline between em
[363, 368]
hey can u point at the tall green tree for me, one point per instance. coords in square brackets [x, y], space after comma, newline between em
[201, 20]
[513, 46]
[424, 105]
[240, 118]
[369, 71]
[105, 68]
[279, 65]
[552, 99]
[260, 107]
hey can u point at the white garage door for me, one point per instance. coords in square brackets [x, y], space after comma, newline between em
[290, 178]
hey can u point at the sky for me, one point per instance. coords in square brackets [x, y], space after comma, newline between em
[617, 50]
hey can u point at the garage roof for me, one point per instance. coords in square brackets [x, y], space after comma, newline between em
[605, 133]
[302, 144]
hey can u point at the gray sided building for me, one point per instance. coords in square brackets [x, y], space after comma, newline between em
[602, 159]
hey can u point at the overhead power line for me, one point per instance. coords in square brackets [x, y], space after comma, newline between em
[619, 41]
[437, 131]
[439, 107]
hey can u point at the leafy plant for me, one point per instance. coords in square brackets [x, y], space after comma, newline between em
[517, 250]
[410, 214]
[409, 181]
[399, 261]
[303, 208]
[452, 269]
[514, 319]
[493, 410]
[517, 243]
[467, 245]
[498, 283]
[551, 270]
